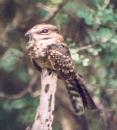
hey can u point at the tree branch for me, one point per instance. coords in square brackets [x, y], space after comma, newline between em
[28, 89]
[52, 11]
[44, 114]
[87, 47]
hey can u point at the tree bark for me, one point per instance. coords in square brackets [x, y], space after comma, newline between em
[44, 114]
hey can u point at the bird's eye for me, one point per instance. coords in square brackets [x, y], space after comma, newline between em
[44, 31]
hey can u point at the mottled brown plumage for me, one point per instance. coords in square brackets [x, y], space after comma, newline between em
[47, 49]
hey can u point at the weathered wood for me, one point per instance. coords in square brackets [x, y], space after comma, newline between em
[44, 114]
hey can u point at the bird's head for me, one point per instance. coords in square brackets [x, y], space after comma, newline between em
[43, 32]
[39, 37]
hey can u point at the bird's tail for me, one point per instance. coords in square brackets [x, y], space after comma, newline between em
[79, 95]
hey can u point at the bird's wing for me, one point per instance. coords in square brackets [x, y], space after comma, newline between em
[64, 66]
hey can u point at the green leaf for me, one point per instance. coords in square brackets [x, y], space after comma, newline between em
[22, 75]
[56, 1]
[10, 59]
[96, 2]
[87, 15]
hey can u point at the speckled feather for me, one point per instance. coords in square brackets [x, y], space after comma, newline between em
[47, 49]
[62, 64]
[65, 67]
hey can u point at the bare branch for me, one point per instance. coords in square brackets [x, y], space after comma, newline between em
[52, 11]
[45, 7]
[87, 47]
[44, 114]
[22, 93]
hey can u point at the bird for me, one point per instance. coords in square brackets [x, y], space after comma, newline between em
[47, 49]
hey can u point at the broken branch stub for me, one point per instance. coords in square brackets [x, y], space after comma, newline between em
[44, 114]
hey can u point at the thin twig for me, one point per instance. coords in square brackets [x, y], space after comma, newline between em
[87, 47]
[22, 93]
[45, 7]
[52, 11]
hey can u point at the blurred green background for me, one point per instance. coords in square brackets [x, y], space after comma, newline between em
[90, 30]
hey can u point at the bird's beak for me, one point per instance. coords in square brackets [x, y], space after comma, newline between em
[27, 36]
